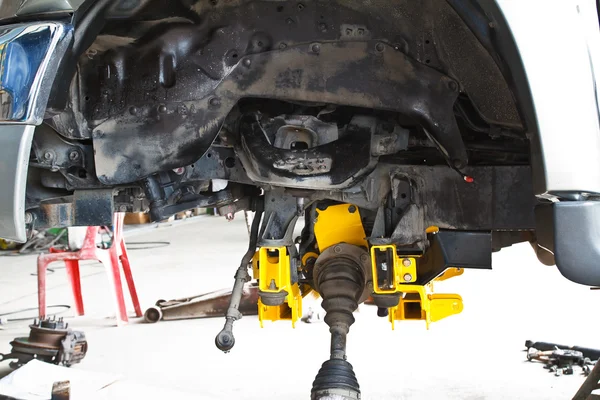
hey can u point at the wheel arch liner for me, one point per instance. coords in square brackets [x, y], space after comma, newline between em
[140, 140]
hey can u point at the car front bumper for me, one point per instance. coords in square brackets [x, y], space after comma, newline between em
[30, 56]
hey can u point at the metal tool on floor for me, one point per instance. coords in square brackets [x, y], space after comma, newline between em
[241, 300]
[561, 359]
[592, 354]
[213, 304]
[51, 341]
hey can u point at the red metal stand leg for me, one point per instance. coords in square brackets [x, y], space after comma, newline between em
[115, 277]
[129, 278]
[41, 275]
[112, 259]
[72, 267]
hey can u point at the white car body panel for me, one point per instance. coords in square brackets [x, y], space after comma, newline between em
[559, 43]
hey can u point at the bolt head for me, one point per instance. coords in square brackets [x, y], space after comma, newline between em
[247, 62]
[74, 155]
[379, 47]
[364, 258]
[407, 277]
[162, 109]
[337, 249]
[406, 262]
[48, 156]
[214, 102]
[316, 48]
[302, 167]
[352, 209]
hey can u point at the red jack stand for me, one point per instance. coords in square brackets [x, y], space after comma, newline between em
[111, 258]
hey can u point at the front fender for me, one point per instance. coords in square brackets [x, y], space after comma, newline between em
[30, 56]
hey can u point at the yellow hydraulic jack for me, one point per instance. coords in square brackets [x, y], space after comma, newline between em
[394, 287]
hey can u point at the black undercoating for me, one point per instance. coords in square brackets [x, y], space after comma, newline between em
[156, 85]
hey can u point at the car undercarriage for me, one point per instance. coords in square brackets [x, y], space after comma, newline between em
[393, 128]
[302, 101]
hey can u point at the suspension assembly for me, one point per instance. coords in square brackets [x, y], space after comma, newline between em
[335, 258]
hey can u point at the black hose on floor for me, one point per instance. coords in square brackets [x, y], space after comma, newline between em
[24, 310]
[146, 245]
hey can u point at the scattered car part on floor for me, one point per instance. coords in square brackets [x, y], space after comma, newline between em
[61, 390]
[213, 304]
[592, 354]
[51, 341]
[561, 359]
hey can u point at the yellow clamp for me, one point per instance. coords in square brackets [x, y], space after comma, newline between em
[340, 223]
[272, 268]
[393, 274]
[391, 271]
[418, 303]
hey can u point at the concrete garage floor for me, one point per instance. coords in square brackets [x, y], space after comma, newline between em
[475, 355]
